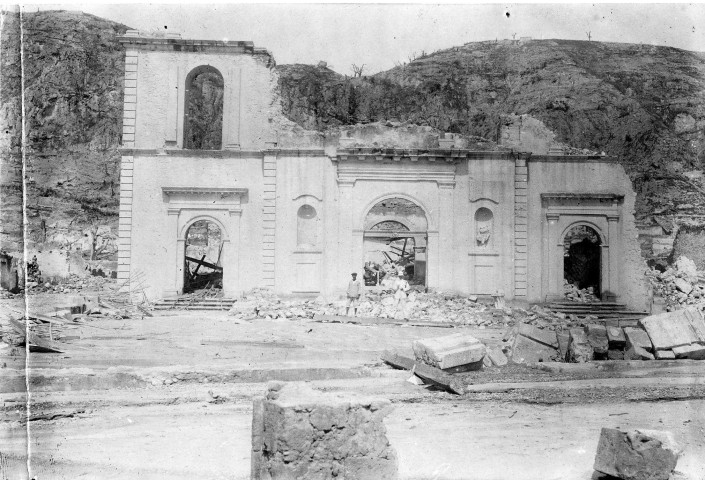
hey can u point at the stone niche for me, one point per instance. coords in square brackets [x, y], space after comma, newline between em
[298, 432]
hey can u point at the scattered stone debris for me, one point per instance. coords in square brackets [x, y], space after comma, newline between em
[680, 285]
[435, 307]
[636, 455]
[298, 432]
[681, 332]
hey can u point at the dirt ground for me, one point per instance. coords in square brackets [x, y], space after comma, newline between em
[170, 397]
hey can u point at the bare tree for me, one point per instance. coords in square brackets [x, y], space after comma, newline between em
[589, 35]
[357, 71]
[100, 241]
[514, 36]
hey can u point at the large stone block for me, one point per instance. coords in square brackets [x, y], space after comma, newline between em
[597, 338]
[637, 455]
[675, 329]
[638, 337]
[579, 349]
[526, 350]
[617, 339]
[298, 432]
[547, 337]
[449, 351]
[693, 352]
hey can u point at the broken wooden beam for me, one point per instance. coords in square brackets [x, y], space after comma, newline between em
[432, 376]
[205, 264]
[35, 342]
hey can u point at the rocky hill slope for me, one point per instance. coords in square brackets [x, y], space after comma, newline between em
[643, 104]
[73, 111]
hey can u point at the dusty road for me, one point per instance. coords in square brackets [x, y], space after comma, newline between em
[157, 398]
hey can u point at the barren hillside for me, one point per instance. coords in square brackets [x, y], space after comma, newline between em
[643, 104]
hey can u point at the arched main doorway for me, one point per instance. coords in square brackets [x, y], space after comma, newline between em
[582, 259]
[395, 240]
[204, 249]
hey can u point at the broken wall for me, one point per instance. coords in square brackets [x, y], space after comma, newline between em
[563, 174]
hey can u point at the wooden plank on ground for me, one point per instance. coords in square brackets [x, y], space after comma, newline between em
[40, 344]
[430, 375]
[378, 321]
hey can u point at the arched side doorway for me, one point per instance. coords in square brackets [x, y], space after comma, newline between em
[395, 240]
[203, 253]
[582, 261]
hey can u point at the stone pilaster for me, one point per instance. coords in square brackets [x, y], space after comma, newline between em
[127, 168]
[521, 217]
[269, 209]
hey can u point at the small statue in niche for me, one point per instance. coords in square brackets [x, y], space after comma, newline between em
[483, 235]
[483, 227]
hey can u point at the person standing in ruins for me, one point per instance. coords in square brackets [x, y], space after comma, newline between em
[353, 293]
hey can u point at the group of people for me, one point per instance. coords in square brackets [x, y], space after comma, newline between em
[401, 286]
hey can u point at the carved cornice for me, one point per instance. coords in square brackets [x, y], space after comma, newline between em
[443, 174]
[221, 192]
[582, 196]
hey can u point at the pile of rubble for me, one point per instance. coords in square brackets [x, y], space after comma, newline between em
[575, 294]
[421, 306]
[680, 285]
[679, 334]
[71, 284]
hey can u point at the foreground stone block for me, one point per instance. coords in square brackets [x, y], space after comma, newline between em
[579, 349]
[545, 336]
[664, 355]
[693, 352]
[617, 339]
[675, 329]
[449, 351]
[638, 337]
[298, 432]
[597, 338]
[496, 357]
[635, 352]
[525, 350]
[637, 455]
[563, 342]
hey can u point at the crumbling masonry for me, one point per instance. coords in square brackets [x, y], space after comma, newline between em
[298, 211]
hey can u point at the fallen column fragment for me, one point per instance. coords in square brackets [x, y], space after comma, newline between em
[579, 349]
[298, 432]
[636, 455]
[460, 352]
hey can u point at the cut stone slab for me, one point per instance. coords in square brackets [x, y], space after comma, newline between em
[496, 357]
[563, 341]
[616, 338]
[526, 350]
[693, 352]
[636, 455]
[597, 338]
[449, 351]
[635, 352]
[638, 337]
[615, 355]
[674, 329]
[665, 355]
[579, 349]
[298, 432]
[683, 285]
[545, 336]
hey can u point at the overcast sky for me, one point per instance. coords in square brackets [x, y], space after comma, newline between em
[379, 35]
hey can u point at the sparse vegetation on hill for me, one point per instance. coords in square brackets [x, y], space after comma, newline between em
[643, 104]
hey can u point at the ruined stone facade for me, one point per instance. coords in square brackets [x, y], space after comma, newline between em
[299, 211]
